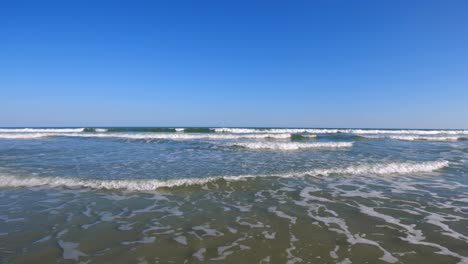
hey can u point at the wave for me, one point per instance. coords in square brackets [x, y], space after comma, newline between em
[145, 135]
[385, 168]
[238, 130]
[292, 145]
[140, 129]
[301, 137]
[334, 131]
[41, 130]
[152, 184]
[24, 135]
[274, 130]
[406, 132]
[198, 130]
[418, 137]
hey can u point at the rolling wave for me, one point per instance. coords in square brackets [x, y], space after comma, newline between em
[292, 145]
[302, 137]
[152, 184]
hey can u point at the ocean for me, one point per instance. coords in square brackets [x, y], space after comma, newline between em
[233, 195]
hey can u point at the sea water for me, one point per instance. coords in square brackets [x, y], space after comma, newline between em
[233, 195]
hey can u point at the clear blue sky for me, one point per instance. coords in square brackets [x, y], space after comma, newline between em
[234, 63]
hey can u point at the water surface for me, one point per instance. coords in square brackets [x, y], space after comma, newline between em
[233, 195]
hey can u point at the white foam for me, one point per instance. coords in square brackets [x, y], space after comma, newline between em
[181, 239]
[293, 145]
[144, 240]
[334, 252]
[415, 236]
[23, 135]
[385, 168]
[70, 251]
[268, 235]
[281, 214]
[200, 254]
[224, 251]
[208, 231]
[152, 184]
[341, 226]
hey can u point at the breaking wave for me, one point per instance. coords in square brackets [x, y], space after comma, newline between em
[292, 145]
[152, 184]
[24, 135]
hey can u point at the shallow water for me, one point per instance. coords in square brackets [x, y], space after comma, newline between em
[233, 196]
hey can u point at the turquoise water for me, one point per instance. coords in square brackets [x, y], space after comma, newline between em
[233, 195]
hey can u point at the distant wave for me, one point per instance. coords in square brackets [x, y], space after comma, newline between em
[274, 130]
[302, 137]
[292, 145]
[41, 130]
[334, 131]
[147, 185]
[140, 129]
[198, 130]
[405, 132]
[24, 135]
[144, 135]
[419, 137]
[152, 129]
[92, 129]
[237, 130]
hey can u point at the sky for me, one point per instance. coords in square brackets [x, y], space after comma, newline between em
[333, 63]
